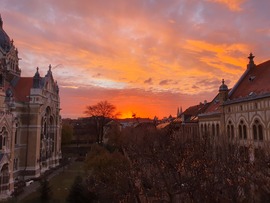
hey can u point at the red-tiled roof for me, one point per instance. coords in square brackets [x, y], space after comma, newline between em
[195, 110]
[22, 89]
[256, 81]
[213, 106]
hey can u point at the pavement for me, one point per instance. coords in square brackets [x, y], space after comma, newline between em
[33, 187]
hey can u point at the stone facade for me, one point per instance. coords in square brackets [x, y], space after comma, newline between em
[242, 114]
[30, 121]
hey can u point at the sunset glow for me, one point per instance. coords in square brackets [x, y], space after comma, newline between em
[147, 57]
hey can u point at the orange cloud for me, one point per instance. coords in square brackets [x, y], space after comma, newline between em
[234, 5]
[144, 56]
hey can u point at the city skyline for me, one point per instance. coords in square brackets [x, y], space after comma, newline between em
[145, 57]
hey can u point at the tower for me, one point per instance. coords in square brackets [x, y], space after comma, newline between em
[223, 92]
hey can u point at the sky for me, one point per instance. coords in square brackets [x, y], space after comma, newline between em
[147, 57]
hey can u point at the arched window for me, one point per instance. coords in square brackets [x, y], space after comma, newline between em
[245, 131]
[242, 130]
[4, 178]
[230, 130]
[257, 130]
[3, 137]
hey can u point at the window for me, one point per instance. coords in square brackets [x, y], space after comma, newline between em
[4, 177]
[217, 127]
[3, 135]
[230, 130]
[213, 129]
[242, 130]
[257, 130]
[16, 134]
[245, 131]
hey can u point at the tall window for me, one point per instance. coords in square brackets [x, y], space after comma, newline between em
[16, 134]
[217, 127]
[242, 130]
[213, 130]
[230, 130]
[3, 136]
[4, 178]
[257, 130]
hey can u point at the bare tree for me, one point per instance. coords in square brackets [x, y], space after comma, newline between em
[102, 111]
[159, 166]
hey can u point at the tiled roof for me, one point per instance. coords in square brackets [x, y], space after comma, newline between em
[213, 106]
[22, 89]
[195, 110]
[254, 82]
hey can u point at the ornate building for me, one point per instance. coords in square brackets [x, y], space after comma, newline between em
[30, 121]
[242, 114]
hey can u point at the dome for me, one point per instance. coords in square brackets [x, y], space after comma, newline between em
[223, 87]
[4, 38]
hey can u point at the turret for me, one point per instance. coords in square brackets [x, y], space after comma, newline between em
[223, 92]
[36, 80]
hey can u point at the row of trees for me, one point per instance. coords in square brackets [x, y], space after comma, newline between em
[155, 165]
[146, 165]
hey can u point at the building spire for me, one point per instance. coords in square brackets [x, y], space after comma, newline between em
[251, 61]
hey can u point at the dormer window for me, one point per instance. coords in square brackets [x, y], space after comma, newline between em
[251, 78]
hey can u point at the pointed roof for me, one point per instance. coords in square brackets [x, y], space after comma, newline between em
[254, 82]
